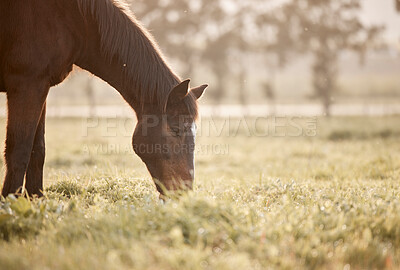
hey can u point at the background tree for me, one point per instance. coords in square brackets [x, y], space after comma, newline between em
[225, 45]
[231, 42]
[176, 25]
[213, 30]
[327, 28]
[224, 34]
[276, 44]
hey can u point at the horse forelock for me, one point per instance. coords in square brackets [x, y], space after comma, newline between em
[122, 36]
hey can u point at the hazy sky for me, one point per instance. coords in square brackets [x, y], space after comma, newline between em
[383, 12]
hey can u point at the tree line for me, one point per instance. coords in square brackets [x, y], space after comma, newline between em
[223, 34]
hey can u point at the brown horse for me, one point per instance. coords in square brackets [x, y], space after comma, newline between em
[41, 40]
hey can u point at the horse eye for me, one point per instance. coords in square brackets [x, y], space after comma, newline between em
[176, 131]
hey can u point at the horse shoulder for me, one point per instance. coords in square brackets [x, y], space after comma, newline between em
[39, 45]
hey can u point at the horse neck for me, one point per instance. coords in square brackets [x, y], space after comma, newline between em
[134, 67]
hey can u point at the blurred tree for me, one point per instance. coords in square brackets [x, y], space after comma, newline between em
[225, 45]
[213, 30]
[224, 33]
[327, 28]
[397, 5]
[175, 24]
[270, 95]
[90, 94]
[276, 44]
[216, 54]
[276, 38]
[235, 41]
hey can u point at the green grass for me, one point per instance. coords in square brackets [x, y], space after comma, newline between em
[260, 202]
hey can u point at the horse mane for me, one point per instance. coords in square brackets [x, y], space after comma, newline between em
[122, 36]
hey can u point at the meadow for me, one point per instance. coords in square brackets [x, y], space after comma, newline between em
[283, 193]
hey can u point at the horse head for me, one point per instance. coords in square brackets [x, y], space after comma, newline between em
[165, 139]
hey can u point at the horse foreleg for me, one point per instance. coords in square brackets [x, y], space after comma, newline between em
[34, 173]
[25, 105]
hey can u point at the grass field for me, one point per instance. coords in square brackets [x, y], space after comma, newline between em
[325, 198]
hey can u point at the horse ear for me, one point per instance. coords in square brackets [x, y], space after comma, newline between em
[179, 92]
[199, 91]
